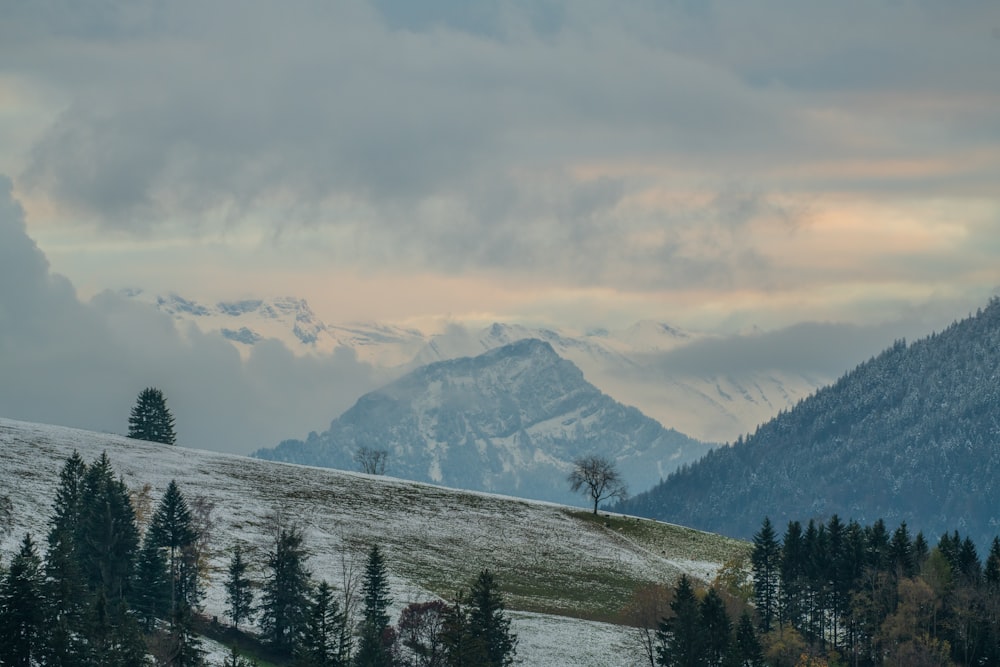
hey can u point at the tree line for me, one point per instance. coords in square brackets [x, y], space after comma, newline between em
[117, 588]
[846, 594]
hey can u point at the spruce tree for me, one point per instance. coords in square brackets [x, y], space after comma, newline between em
[322, 641]
[372, 650]
[488, 624]
[746, 650]
[150, 419]
[108, 543]
[21, 612]
[172, 531]
[66, 597]
[766, 562]
[717, 629]
[681, 639]
[239, 589]
[151, 599]
[285, 598]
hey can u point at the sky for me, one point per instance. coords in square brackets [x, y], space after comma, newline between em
[766, 165]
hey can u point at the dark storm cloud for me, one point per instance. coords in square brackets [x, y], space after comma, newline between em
[76, 364]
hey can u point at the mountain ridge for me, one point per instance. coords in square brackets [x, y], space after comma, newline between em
[511, 420]
[628, 364]
[912, 434]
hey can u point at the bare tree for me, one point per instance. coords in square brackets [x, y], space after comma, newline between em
[372, 461]
[648, 605]
[598, 478]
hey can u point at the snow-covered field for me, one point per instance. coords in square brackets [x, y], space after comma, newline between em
[552, 562]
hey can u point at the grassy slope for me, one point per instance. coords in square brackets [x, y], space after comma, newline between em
[549, 558]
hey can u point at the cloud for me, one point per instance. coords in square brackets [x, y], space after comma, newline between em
[82, 364]
[653, 146]
[817, 349]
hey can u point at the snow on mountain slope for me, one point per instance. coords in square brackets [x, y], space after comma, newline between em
[434, 539]
[248, 321]
[711, 407]
[625, 364]
[511, 420]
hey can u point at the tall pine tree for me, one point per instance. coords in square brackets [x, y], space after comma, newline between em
[372, 648]
[239, 589]
[766, 562]
[488, 624]
[682, 642]
[65, 593]
[323, 641]
[284, 605]
[21, 611]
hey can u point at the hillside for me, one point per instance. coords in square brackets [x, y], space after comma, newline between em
[556, 565]
[910, 435]
[511, 420]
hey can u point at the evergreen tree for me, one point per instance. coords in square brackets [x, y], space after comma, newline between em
[681, 638]
[460, 648]
[21, 612]
[717, 629]
[108, 538]
[372, 648]
[285, 599]
[64, 591]
[150, 419]
[153, 586]
[746, 650]
[901, 560]
[792, 575]
[766, 563]
[108, 543]
[488, 624]
[239, 589]
[992, 571]
[172, 531]
[322, 642]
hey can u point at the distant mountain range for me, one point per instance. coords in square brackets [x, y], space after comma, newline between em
[511, 420]
[627, 364]
[911, 435]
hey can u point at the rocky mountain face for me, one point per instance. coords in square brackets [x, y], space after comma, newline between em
[911, 435]
[510, 420]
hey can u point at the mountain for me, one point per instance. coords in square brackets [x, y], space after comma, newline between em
[246, 322]
[631, 364]
[911, 435]
[555, 565]
[634, 366]
[510, 420]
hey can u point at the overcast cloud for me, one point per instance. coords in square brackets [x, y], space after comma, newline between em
[76, 364]
[715, 165]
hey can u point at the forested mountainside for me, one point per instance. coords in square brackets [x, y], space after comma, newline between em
[510, 421]
[911, 435]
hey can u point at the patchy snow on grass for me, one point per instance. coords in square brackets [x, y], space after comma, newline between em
[555, 564]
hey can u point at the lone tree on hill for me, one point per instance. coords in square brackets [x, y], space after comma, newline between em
[599, 479]
[372, 461]
[150, 419]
